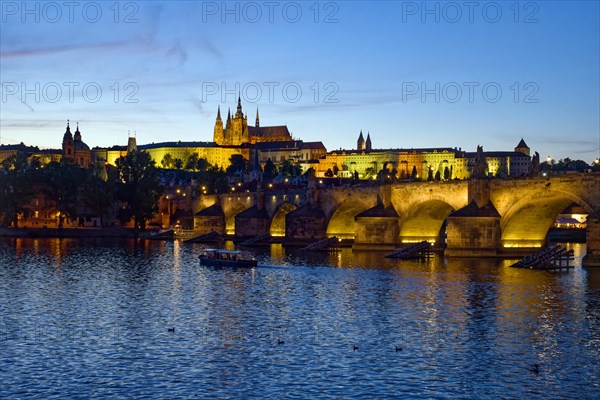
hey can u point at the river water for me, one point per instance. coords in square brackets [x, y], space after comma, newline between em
[127, 319]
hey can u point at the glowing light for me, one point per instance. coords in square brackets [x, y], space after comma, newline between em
[523, 244]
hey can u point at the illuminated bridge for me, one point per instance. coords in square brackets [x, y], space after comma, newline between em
[478, 217]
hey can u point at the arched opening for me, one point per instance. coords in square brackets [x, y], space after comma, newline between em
[277, 228]
[425, 221]
[341, 223]
[570, 225]
[230, 218]
[528, 222]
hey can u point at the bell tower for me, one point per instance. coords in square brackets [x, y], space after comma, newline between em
[67, 144]
[360, 143]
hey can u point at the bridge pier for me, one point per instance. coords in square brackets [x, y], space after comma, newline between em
[305, 223]
[592, 257]
[251, 223]
[474, 230]
[211, 219]
[376, 228]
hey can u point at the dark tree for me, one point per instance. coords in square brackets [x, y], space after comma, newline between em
[446, 173]
[16, 190]
[335, 170]
[414, 174]
[329, 173]
[139, 188]
[237, 163]
[167, 162]
[370, 172]
[289, 168]
[63, 183]
[202, 164]
[191, 161]
[270, 169]
[438, 176]
[99, 192]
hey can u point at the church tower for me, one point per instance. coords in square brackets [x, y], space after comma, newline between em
[238, 133]
[77, 136]
[523, 148]
[131, 143]
[67, 145]
[218, 133]
[257, 123]
[368, 143]
[360, 143]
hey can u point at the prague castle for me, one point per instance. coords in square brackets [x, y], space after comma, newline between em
[258, 144]
[236, 137]
[237, 132]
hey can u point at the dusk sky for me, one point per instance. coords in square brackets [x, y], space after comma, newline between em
[492, 72]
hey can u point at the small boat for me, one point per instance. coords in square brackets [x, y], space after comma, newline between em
[226, 258]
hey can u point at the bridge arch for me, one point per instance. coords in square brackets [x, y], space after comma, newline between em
[230, 213]
[277, 226]
[424, 221]
[341, 223]
[527, 222]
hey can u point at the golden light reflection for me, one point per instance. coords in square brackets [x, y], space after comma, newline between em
[176, 254]
[277, 252]
[523, 244]
[18, 246]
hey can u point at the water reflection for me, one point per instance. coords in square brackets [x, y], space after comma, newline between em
[115, 318]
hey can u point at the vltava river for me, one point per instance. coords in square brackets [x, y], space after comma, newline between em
[126, 319]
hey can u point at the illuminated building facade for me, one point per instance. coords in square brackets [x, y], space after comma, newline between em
[423, 163]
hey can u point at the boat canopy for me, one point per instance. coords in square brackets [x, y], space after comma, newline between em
[220, 251]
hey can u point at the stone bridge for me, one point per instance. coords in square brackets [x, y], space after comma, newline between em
[490, 214]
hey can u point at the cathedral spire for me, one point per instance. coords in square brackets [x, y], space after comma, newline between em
[239, 114]
[257, 120]
[360, 143]
[218, 113]
[228, 114]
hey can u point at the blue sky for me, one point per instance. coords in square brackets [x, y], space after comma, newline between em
[413, 74]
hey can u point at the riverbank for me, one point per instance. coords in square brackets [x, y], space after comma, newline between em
[112, 232]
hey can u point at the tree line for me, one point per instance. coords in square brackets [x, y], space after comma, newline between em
[129, 191]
